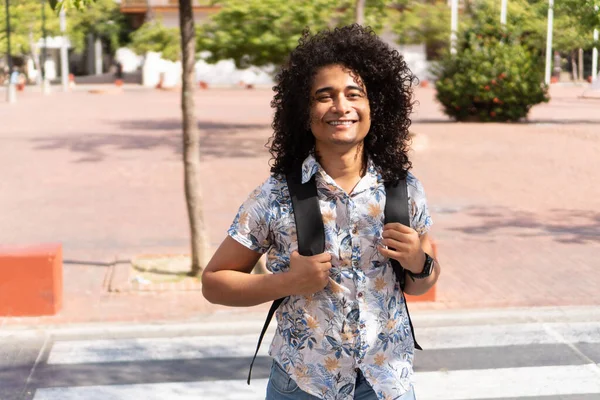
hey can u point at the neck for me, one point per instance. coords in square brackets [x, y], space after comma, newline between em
[345, 167]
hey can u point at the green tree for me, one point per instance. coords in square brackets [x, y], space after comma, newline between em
[154, 36]
[427, 23]
[101, 18]
[26, 25]
[261, 32]
[586, 12]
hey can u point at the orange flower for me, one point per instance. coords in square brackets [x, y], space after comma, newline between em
[391, 324]
[374, 210]
[487, 87]
[255, 194]
[332, 364]
[312, 322]
[335, 287]
[348, 336]
[243, 218]
[379, 284]
[492, 114]
[328, 217]
[379, 359]
[493, 81]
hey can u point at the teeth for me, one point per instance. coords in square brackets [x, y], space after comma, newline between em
[334, 123]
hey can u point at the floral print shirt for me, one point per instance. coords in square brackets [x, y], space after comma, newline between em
[358, 322]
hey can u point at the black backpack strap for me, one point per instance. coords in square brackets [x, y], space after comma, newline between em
[397, 210]
[272, 310]
[310, 232]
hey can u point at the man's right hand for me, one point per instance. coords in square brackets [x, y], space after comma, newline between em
[308, 275]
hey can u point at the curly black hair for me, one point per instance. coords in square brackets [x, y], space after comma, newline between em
[389, 83]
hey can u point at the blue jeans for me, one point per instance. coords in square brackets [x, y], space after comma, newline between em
[282, 387]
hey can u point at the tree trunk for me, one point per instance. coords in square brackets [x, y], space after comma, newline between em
[191, 139]
[360, 12]
[574, 66]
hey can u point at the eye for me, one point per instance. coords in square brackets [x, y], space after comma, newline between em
[355, 95]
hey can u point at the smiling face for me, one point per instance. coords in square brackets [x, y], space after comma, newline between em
[340, 116]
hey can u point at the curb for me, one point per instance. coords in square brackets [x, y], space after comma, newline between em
[236, 322]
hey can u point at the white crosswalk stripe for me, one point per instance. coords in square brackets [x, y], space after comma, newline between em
[183, 348]
[450, 385]
[579, 377]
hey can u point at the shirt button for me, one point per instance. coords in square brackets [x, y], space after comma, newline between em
[362, 326]
[359, 361]
[355, 230]
[360, 294]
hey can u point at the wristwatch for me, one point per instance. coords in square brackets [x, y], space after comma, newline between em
[427, 269]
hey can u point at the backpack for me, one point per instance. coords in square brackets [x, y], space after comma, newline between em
[311, 232]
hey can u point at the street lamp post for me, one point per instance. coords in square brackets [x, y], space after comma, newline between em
[45, 83]
[64, 56]
[11, 93]
[549, 41]
[595, 58]
[453, 25]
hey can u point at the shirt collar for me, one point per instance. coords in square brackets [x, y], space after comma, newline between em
[311, 166]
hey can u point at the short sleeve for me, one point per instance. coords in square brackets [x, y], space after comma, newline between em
[251, 226]
[419, 211]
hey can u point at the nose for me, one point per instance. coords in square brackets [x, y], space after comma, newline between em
[341, 105]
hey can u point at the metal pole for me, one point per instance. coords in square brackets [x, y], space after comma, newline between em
[549, 41]
[64, 55]
[453, 25]
[595, 58]
[503, 12]
[11, 93]
[98, 56]
[45, 83]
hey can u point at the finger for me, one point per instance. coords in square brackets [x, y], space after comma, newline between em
[397, 236]
[397, 226]
[323, 257]
[396, 255]
[396, 245]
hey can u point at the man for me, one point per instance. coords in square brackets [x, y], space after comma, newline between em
[342, 104]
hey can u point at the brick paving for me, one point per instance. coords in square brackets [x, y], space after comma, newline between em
[515, 206]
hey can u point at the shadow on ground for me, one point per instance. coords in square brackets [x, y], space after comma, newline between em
[217, 140]
[562, 225]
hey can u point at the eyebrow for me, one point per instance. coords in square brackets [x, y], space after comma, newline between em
[329, 89]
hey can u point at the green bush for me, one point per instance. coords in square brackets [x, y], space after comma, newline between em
[491, 78]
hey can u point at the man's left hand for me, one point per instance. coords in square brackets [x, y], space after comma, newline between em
[403, 245]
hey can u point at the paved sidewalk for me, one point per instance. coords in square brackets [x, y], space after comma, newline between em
[515, 206]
